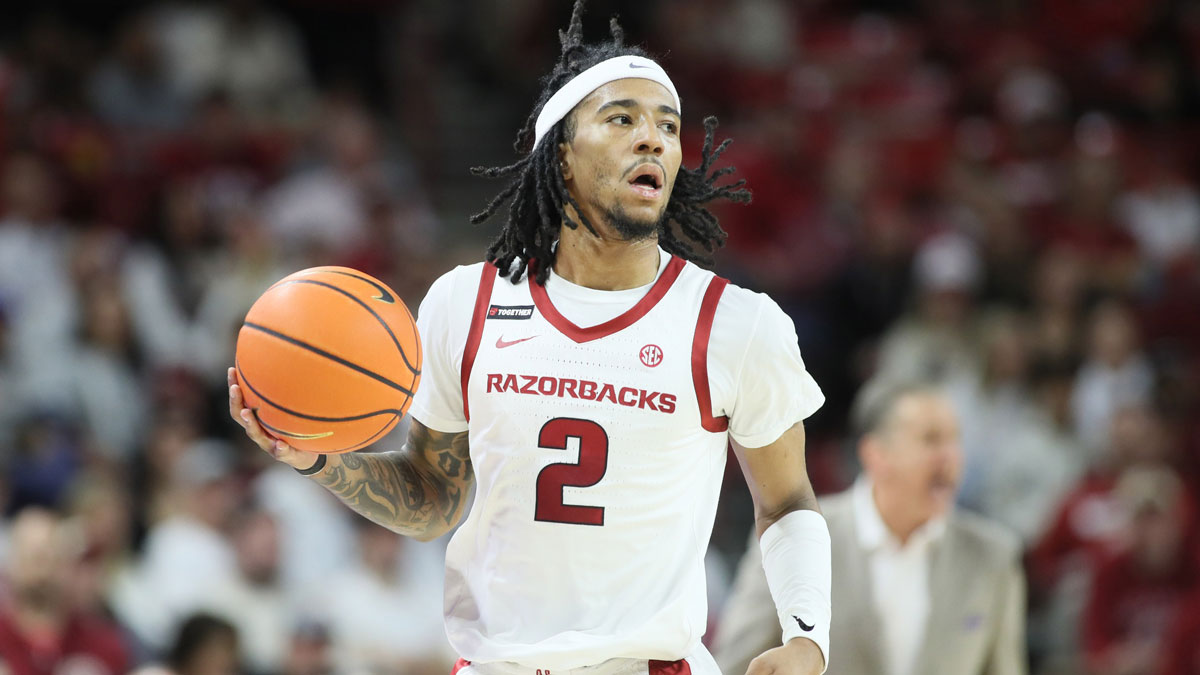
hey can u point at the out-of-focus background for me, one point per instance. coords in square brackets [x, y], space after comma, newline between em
[999, 196]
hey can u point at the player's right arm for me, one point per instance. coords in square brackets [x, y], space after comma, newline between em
[418, 491]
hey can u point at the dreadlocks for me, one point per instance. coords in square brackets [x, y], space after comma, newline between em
[538, 195]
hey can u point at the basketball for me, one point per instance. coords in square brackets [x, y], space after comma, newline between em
[328, 359]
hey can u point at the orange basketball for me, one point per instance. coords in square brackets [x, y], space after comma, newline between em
[328, 359]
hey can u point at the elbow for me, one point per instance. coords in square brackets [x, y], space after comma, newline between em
[764, 518]
[429, 534]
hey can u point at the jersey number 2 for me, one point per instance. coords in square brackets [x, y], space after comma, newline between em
[593, 462]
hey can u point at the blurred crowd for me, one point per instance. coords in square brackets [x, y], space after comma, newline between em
[997, 197]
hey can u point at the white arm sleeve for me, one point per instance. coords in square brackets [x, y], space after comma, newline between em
[443, 328]
[797, 559]
[774, 390]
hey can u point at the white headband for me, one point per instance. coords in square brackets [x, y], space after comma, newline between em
[564, 100]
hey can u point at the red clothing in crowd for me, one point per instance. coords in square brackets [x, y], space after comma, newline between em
[1083, 531]
[1129, 606]
[86, 644]
[1181, 649]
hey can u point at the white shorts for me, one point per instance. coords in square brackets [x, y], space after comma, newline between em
[699, 662]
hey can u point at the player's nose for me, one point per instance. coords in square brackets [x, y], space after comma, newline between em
[649, 139]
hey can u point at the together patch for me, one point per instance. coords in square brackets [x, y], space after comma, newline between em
[510, 311]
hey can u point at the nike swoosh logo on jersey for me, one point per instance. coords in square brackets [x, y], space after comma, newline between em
[501, 343]
[803, 626]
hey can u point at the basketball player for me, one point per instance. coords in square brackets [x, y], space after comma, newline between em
[589, 394]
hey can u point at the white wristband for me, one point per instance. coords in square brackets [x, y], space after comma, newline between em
[796, 556]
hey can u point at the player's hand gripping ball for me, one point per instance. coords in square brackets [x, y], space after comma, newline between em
[328, 359]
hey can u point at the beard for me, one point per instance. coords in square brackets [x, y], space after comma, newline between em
[41, 596]
[630, 228]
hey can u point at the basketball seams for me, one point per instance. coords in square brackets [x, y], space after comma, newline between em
[387, 426]
[258, 339]
[296, 342]
[243, 380]
[412, 324]
[359, 301]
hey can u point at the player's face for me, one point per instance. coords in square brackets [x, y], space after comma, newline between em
[922, 458]
[621, 164]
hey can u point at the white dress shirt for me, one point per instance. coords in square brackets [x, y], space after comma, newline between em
[899, 577]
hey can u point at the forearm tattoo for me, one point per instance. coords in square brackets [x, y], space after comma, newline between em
[416, 491]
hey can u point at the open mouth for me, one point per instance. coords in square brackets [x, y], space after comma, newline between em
[647, 180]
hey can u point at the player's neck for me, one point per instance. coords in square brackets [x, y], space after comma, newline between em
[603, 263]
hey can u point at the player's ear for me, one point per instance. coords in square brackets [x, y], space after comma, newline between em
[565, 157]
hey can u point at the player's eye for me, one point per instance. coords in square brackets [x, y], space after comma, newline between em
[621, 119]
[669, 127]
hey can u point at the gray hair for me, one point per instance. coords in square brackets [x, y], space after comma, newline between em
[877, 399]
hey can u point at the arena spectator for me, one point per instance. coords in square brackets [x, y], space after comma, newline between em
[205, 645]
[1023, 461]
[131, 90]
[1138, 591]
[242, 47]
[40, 631]
[186, 554]
[385, 617]
[253, 600]
[1116, 373]
[1086, 529]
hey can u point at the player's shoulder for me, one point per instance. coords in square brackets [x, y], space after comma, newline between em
[740, 306]
[462, 273]
[461, 281]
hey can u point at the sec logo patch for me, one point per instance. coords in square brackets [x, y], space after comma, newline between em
[651, 355]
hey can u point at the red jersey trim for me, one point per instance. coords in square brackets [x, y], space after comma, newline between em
[461, 663]
[708, 309]
[482, 299]
[670, 668]
[581, 335]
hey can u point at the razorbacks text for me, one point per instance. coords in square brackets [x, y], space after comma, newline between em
[564, 387]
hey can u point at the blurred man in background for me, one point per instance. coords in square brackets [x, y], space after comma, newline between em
[253, 600]
[1137, 592]
[386, 617]
[40, 632]
[188, 553]
[918, 588]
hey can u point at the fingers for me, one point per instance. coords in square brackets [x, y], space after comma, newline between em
[248, 421]
[764, 664]
[271, 445]
[235, 404]
[235, 396]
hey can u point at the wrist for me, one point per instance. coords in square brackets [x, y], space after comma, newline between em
[315, 468]
[797, 562]
[803, 643]
[806, 649]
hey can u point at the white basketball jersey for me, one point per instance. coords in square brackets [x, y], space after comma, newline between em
[598, 461]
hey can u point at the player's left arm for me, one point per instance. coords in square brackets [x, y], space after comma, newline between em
[778, 478]
[772, 392]
[787, 513]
